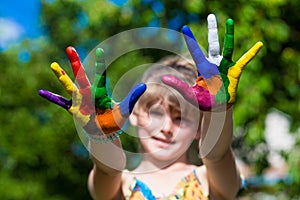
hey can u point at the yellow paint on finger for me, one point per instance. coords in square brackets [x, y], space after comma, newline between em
[63, 78]
[232, 88]
[74, 110]
[234, 72]
[248, 56]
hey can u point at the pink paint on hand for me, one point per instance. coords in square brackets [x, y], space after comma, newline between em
[197, 95]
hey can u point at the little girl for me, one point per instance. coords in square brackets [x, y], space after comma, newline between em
[169, 115]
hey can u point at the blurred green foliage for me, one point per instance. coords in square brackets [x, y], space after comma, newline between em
[41, 156]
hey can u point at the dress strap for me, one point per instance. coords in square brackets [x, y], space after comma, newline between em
[139, 190]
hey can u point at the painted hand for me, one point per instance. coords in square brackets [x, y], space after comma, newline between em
[218, 75]
[90, 105]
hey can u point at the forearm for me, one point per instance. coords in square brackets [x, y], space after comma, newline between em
[105, 177]
[223, 177]
[217, 155]
[216, 134]
[104, 186]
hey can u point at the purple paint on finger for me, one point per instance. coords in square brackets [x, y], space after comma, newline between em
[57, 99]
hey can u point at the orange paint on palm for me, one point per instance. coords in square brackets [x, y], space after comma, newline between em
[212, 84]
[110, 120]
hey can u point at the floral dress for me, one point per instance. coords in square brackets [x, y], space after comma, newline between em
[189, 188]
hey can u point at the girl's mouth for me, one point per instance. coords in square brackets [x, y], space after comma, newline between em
[162, 142]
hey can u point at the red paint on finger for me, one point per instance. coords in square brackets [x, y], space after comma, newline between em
[74, 60]
[87, 107]
[78, 69]
[72, 54]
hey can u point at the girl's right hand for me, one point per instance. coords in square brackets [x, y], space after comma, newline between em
[90, 104]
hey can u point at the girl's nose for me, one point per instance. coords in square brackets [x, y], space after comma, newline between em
[168, 126]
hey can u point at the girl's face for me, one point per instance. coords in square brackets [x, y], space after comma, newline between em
[164, 133]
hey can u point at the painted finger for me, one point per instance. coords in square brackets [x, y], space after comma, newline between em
[213, 38]
[99, 84]
[77, 67]
[126, 106]
[57, 99]
[77, 110]
[100, 71]
[193, 46]
[98, 89]
[86, 106]
[204, 67]
[196, 95]
[181, 86]
[228, 40]
[236, 70]
[63, 77]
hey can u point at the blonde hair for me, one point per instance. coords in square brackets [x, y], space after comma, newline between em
[158, 91]
[182, 65]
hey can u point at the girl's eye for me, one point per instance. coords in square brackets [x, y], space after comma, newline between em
[156, 113]
[178, 119]
[182, 121]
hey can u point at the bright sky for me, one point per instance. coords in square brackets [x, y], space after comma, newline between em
[21, 19]
[18, 20]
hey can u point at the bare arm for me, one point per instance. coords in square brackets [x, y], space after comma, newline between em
[93, 110]
[215, 149]
[105, 178]
[215, 88]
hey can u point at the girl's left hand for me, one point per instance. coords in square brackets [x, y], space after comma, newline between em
[218, 75]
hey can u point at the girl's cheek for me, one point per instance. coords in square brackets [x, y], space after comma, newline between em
[143, 121]
[151, 122]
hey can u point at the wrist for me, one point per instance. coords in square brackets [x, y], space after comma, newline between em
[109, 157]
[104, 169]
[220, 109]
[216, 134]
[95, 134]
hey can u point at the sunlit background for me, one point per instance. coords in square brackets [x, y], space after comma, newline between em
[41, 156]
